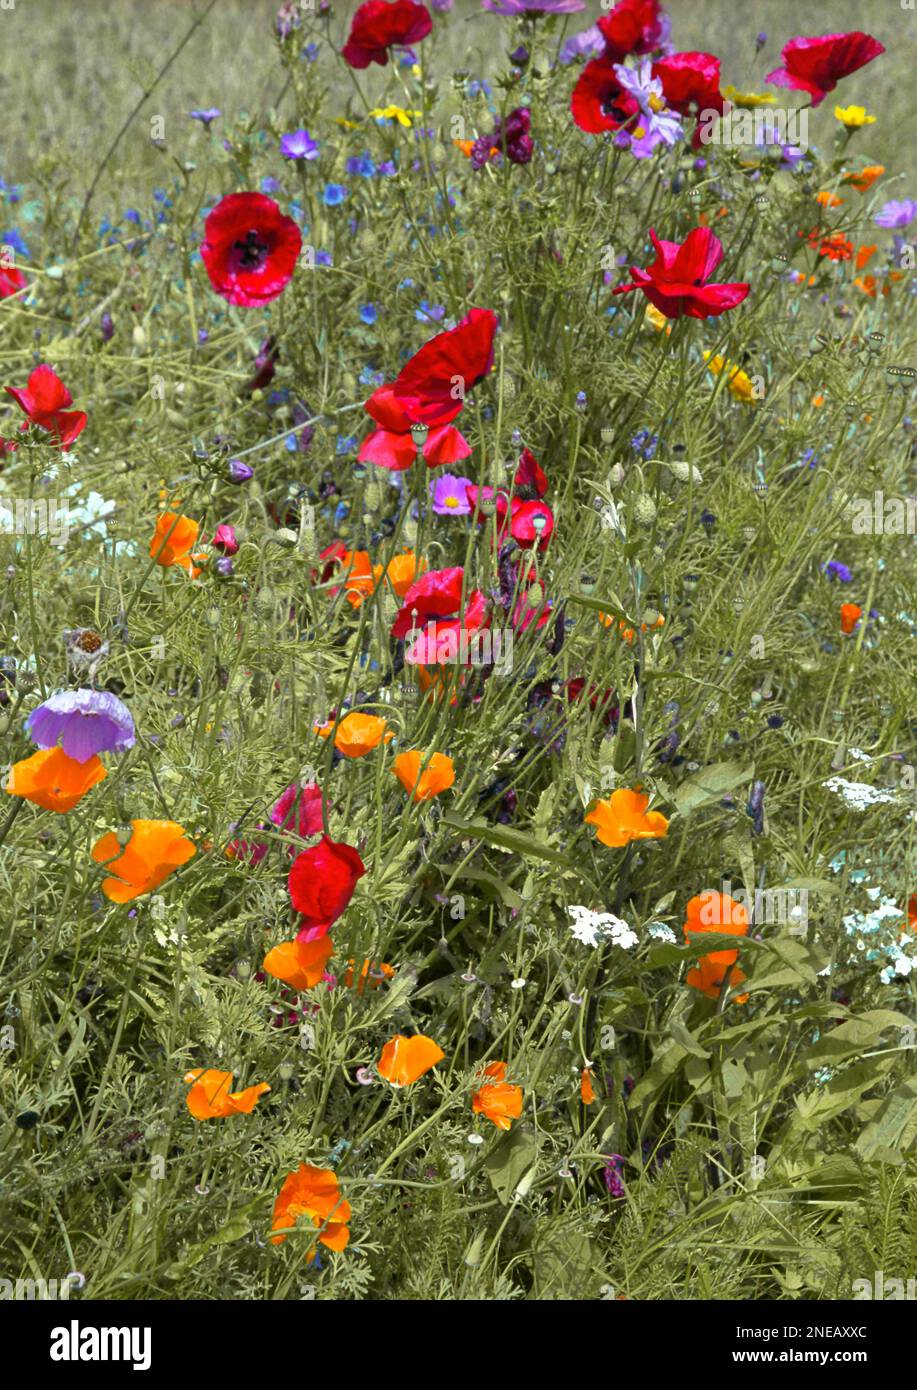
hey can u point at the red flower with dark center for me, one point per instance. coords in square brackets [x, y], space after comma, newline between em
[430, 390]
[676, 282]
[530, 479]
[44, 401]
[599, 102]
[426, 615]
[816, 65]
[11, 280]
[634, 26]
[250, 248]
[524, 523]
[321, 884]
[691, 85]
[378, 26]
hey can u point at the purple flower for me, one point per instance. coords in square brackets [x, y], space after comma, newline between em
[240, 472]
[656, 123]
[613, 1169]
[897, 213]
[755, 807]
[107, 325]
[588, 43]
[835, 570]
[85, 721]
[443, 6]
[450, 496]
[298, 145]
[534, 7]
[206, 117]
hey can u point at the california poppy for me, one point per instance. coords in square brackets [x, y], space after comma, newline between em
[321, 884]
[250, 248]
[676, 281]
[708, 974]
[403, 571]
[865, 179]
[371, 972]
[437, 776]
[44, 401]
[173, 540]
[624, 817]
[300, 964]
[816, 65]
[851, 613]
[156, 848]
[53, 780]
[716, 912]
[405, 1060]
[210, 1098]
[357, 734]
[315, 1194]
[497, 1099]
[586, 1088]
[379, 25]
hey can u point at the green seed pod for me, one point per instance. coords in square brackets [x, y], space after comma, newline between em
[644, 511]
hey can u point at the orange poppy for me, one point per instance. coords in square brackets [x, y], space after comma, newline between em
[716, 912]
[211, 1099]
[373, 971]
[356, 734]
[300, 964]
[624, 817]
[403, 571]
[707, 976]
[586, 1088]
[173, 540]
[864, 254]
[404, 1060]
[868, 285]
[437, 776]
[314, 1193]
[155, 849]
[866, 177]
[497, 1099]
[912, 912]
[626, 632]
[828, 200]
[53, 780]
[851, 613]
[360, 577]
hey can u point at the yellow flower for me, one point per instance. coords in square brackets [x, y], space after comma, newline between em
[347, 125]
[656, 319]
[395, 113]
[748, 99]
[853, 116]
[739, 382]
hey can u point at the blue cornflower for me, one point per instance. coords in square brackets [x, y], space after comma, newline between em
[360, 164]
[644, 443]
[430, 313]
[835, 570]
[334, 195]
[369, 313]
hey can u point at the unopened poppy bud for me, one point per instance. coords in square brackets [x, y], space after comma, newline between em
[138, 335]
[524, 1185]
[472, 1255]
[644, 510]
[286, 537]
[616, 475]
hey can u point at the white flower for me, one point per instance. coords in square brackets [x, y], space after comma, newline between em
[859, 795]
[660, 932]
[594, 928]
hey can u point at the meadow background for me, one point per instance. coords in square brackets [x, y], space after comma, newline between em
[734, 1148]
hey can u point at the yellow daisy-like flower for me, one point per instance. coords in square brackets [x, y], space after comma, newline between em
[347, 125]
[853, 116]
[739, 382]
[656, 319]
[395, 113]
[749, 100]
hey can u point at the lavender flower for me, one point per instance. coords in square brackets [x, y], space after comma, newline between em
[206, 117]
[588, 43]
[450, 496]
[656, 124]
[755, 807]
[240, 472]
[530, 8]
[85, 721]
[896, 213]
[298, 145]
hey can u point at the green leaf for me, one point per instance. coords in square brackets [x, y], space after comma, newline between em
[710, 784]
[894, 1127]
[509, 1160]
[687, 1040]
[512, 841]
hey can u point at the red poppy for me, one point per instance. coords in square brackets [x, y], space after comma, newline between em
[634, 26]
[599, 102]
[11, 281]
[427, 613]
[816, 65]
[530, 479]
[691, 85]
[676, 282]
[430, 390]
[531, 523]
[250, 248]
[44, 399]
[377, 26]
[321, 884]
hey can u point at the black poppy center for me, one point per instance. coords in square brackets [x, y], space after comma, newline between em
[250, 250]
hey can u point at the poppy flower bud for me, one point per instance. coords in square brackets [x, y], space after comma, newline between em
[472, 1255]
[239, 472]
[524, 1185]
[286, 537]
[616, 475]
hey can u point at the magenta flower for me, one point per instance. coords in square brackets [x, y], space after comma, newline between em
[896, 213]
[530, 8]
[85, 722]
[224, 539]
[449, 495]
